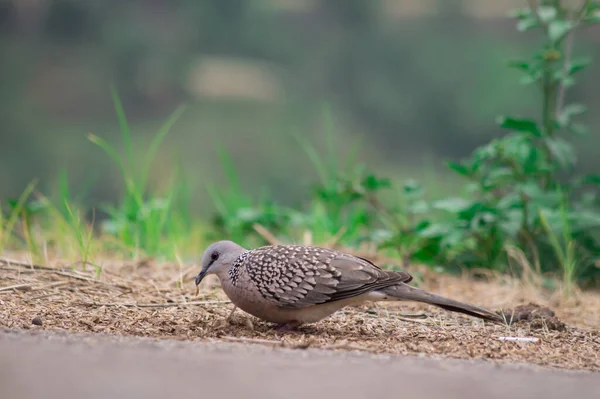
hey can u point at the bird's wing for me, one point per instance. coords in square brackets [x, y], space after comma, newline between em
[297, 276]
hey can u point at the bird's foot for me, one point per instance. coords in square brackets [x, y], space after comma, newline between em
[288, 327]
[228, 319]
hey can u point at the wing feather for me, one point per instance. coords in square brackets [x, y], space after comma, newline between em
[298, 276]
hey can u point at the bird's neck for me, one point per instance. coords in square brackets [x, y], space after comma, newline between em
[229, 274]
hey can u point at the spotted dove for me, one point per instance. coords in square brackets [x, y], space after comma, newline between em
[291, 285]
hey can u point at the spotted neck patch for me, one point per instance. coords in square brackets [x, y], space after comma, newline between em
[234, 270]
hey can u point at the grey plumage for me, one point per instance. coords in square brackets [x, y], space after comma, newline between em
[296, 284]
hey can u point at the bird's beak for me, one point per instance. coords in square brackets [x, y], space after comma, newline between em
[200, 276]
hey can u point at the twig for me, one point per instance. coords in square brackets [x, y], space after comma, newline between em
[348, 346]
[32, 266]
[20, 271]
[22, 287]
[519, 339]
[60, 272]
[90, 280]
[266, 234]
[252, 340]
[151, 305]
[182, 276]
[333, 240]
[412, 320]
[50, 285]
[41, 296]
[9, 262]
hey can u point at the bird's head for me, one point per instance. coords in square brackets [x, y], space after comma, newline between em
[217, 258]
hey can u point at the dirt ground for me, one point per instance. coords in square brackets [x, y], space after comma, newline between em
[157, 300]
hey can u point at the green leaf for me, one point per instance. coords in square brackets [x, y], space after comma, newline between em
[592, 18]
[518, 124]
[592, 179]
[519, 13]
[520, 65]
[562, 151]
[517, 147]
[534, 162]
[569, 111]
[530, 189]
[529, 79]
[487, 151]
[558, 29]
[507, 202]
[482, 220]
[454, 205]
[568, 81]
[584, 220]
[593, 6]
[373, 183]
[547, 13]
[511, 224]
[435, 230]
[37, 206]
[412, 188]
[453, 238]
[527, 23]
[458, 168]
[418, 207]
[578, 64]
[578, 129]
[499, 175]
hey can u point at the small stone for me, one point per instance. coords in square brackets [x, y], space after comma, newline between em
[37, 321]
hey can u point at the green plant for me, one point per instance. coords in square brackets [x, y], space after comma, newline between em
[237, 213]
[529, 172]
[521, 187]
[341, 198]
[343, 205]
[20, 210]
[564, 247]
[143, 216]
[72, 217]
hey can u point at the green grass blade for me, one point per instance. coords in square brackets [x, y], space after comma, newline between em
[330, 139]
[553, 238]
[14, 214]
[124, 125]
[217, 200]
[313, 157]
[110, 151]
[236, 197]
[130, 185]
[157, 141]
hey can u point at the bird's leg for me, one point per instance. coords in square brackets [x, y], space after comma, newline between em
[289, 327]
[228, 319]
[249, 324]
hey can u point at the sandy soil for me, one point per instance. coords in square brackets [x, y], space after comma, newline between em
[147, 299]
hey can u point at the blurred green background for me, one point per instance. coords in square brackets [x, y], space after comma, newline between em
[413, 82]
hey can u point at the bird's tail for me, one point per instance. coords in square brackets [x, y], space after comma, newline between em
[406, 292]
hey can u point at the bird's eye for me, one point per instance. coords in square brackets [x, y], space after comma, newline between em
[214, 256]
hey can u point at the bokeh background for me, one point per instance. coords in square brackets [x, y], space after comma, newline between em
[411, 82]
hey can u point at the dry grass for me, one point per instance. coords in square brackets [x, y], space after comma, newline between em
[156, 300]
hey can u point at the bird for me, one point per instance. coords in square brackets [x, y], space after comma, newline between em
[292, 285]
